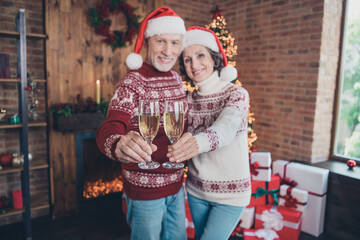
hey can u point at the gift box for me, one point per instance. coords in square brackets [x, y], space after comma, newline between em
[190, 229]
[263, 192]
[295, 198]
[285, 221]
[247, 218]
[314, 180]
[266, 234]
[17, 199]
[260, 163]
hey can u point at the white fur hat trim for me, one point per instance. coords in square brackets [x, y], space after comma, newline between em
[165, 25]
[199, 37]
[134, 61]
[228, 74]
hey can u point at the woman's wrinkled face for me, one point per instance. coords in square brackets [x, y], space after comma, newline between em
[198, 63]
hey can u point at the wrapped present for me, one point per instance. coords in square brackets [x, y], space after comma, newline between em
[263, 192]
[285, 221]
[266, 234]
[295, 198]
[315, 181]
[190, 230]
[260, 163]
[247, 218]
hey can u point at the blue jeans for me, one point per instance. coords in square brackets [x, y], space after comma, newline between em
[162, 218]
[213, 221]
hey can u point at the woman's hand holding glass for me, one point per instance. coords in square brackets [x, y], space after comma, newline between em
[184, 149]
[174, 126]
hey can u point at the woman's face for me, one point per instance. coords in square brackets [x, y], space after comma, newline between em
[198, 63]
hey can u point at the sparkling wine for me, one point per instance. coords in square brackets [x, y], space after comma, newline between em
[149, 125]
[174, 125]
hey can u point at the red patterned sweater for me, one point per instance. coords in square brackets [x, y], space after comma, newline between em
[218, 118]
[122, 117]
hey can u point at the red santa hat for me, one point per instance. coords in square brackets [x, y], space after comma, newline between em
[206, 37]
[161, 21]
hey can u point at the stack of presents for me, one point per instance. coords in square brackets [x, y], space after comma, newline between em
[288, 198]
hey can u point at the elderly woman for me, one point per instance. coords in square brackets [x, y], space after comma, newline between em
[218, 182]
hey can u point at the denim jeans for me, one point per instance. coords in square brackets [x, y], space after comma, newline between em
[162, 218]
[213, 221]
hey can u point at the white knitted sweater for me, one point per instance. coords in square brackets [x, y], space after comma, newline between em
[218, 118]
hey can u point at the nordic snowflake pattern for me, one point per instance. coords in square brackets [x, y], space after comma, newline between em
[152, 180]
[233, 186]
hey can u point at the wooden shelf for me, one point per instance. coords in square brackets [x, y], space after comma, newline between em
[37, 202]
[32, 124]
[10, 80]
[34, 165]
[17, 80]
[40, 80]
[37, 124]
[14, 34]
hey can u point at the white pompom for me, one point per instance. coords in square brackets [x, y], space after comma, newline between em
[134, 61]
[228, 74]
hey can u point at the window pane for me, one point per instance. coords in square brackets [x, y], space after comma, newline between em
[347, 139]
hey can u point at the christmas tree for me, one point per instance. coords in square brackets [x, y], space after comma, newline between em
[218, 26]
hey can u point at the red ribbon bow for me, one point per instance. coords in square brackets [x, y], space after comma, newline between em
[253, 167]
[290, 201]
[289, 182]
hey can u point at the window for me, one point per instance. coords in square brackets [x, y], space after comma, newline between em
[347, 129]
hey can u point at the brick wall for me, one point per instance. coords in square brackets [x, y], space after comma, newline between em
[9, 138]
[287, 59]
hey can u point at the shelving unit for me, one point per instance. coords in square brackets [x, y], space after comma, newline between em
[34, 202]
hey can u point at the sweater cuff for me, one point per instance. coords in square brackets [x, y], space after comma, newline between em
[110, 146]
[207, 141]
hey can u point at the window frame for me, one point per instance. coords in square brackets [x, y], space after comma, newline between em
[338, 87]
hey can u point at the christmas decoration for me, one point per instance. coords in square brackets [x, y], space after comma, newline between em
[5, 159]
[88, 106]
[33, 102]
[5, 203]
[99, 18]
[81, 115]
[17, 199]
[305, 176]
[3, 112]
[218, 26]
[351, 164]
[217, 12]
[161, 21]
[17, 160]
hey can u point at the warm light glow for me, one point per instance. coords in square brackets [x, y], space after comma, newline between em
[100, 188]
[98, 91]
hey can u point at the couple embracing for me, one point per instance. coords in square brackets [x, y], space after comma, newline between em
[215, 141]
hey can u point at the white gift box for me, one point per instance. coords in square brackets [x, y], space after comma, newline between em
[315, 181]
[247, 219]
[295, 198]
[263, 171]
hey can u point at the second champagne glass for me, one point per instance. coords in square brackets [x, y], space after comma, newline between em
[149, 118]
[174, 126]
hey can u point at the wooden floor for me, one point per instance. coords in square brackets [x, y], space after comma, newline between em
[98, 219]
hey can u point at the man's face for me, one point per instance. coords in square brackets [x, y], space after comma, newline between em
[163, 50]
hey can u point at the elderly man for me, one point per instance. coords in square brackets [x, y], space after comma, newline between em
[155, 198]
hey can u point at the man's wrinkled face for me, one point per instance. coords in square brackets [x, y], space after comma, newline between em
[163, 50]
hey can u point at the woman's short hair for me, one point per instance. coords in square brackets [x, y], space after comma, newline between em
[216, 56]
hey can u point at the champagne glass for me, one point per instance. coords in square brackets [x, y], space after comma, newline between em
[174, 126]
[149, 118]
